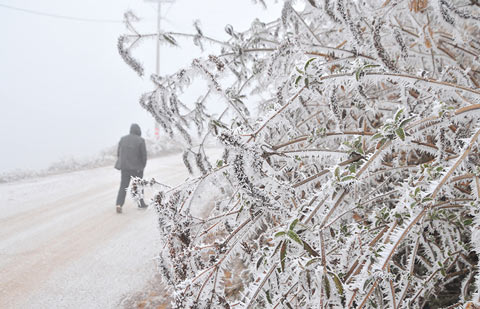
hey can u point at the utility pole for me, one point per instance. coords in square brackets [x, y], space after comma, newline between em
[159, 29]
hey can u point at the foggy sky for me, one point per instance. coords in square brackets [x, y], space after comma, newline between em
[65, 91]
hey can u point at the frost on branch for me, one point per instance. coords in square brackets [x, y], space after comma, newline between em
[351, 165]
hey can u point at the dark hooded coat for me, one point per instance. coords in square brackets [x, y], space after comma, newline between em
[132, 152]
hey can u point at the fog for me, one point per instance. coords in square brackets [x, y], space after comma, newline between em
[65, 91]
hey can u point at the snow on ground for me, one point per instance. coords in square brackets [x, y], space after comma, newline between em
[63, 246]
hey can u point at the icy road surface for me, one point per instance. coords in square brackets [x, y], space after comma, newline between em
[63, 246]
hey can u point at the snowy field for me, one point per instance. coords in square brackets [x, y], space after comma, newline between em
[63, 246]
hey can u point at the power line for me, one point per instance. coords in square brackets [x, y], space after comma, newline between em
[92, 20]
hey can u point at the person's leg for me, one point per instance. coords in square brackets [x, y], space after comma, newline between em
[125, 180]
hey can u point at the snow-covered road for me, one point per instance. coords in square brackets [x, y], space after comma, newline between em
[63, 246]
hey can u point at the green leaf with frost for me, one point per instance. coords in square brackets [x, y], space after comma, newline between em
[308, 63]
[259, 262]
[417, 190]
[314, 260]
[294, 237]
[269, 299]
[405, 121]
[299, 77]
[327, 285]
[347, 178]
[398, 115]
[400, 133]
[338, 283]
[309, 249]
[360, 70]
[293, 224]
[283, 254]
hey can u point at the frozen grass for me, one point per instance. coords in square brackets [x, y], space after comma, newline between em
[104, 158]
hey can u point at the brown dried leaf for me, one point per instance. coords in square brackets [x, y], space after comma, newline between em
[428, 44]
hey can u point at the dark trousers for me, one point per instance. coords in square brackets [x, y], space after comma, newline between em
[125, 181]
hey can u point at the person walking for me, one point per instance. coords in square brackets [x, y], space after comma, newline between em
[131, 161]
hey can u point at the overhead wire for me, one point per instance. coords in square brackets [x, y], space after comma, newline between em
[95, 20]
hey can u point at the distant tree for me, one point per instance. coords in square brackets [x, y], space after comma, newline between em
[354, 180]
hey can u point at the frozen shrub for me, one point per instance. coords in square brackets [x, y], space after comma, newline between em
[350, 176]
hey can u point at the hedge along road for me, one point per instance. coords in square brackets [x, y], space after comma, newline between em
[63, 245]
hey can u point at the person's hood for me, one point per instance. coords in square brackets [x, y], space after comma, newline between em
[135, 129]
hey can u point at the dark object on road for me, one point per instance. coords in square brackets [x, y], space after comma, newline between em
[132, 158]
